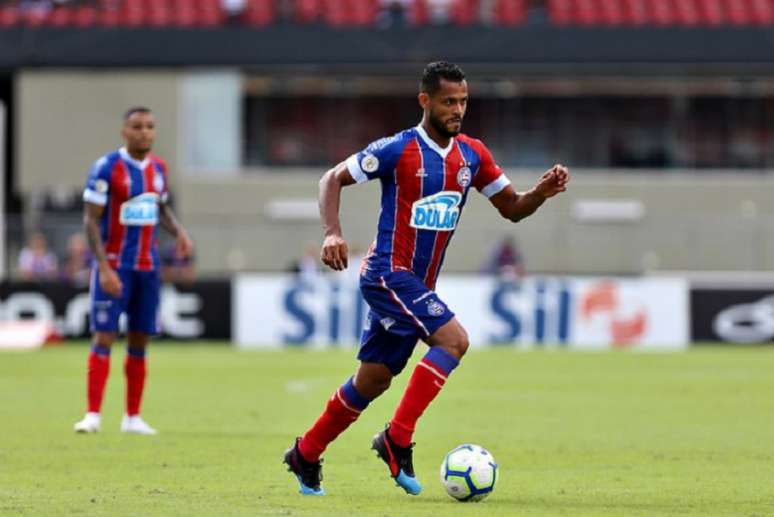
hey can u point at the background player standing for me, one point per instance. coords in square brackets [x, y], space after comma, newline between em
[426, 173]
[125, 201]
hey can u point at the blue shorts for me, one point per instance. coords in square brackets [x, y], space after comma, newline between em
[403, 310]
[139, 300]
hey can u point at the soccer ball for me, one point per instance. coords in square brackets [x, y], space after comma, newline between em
[469, 473]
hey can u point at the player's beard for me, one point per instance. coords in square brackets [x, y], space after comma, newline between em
[439, 126]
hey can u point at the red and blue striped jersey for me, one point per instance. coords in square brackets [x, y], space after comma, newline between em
[131, 192]
[424, 189]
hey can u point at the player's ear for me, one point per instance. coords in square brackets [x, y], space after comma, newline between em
[424, 100]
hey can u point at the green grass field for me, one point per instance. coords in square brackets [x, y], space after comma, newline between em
[618, 434]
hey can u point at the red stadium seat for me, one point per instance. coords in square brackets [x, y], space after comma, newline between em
[511, 12]
[464, 12]
[418, 13]
[686, 12]
[60, 17]
[259, 13]
[586, 12]
[662, 12]
[560, 12]
[738, 12]
[711, 12]
[210, 13]
[364, 12]
[335, 12]
[635, 12]
[611, 12]
[308, 11]
[85, 16]
[762, 12]
[9, 17]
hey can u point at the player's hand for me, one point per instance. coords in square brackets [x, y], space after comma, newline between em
[334, 252]
[110, 282]
[553, 181]
[183, 244]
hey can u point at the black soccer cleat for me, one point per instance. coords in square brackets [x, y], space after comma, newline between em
[308, 473]
[398, 460]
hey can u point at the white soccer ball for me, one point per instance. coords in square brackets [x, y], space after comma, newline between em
[469, 473]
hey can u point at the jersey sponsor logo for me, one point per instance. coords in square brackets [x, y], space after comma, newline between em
[369, 163]
[142, 210]
[438, 212]
[463, 177]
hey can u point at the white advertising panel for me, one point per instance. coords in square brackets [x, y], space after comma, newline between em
[271, 310]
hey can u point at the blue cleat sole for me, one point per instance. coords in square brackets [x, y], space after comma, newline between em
[305, 490]
[408, 483]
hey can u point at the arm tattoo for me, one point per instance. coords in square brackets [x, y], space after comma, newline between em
[168, 221]
[93, 236]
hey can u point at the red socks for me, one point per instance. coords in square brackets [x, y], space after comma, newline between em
[346, 404]
[342, 409]
[135, 371]
[429, 376]
[98, 370]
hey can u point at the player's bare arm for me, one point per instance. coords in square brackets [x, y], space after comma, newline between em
[334, 252]
[108, 278]
[169, 222]
[515, 206]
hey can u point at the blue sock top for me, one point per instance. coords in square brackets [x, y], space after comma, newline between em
[354, 398]
[100, 349]
[442, 359]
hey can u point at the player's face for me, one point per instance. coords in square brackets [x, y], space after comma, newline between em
[446, 107]
[139, 132]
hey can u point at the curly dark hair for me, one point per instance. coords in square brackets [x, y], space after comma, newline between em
[437, 70]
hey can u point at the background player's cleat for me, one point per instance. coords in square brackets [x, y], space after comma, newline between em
[308, 473]
[89, 424]
[399, 460]
[136, 425]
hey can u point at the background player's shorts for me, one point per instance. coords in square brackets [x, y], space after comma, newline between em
[139, 300]
[403, 310]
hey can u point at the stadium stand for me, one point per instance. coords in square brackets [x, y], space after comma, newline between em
[364, 13]
[685, 13]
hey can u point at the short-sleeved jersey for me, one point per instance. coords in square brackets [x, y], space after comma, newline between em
[131, 192]
[424, 189]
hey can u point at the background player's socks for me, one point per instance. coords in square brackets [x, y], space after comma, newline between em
[342, 409]
[426, 382]
[98, 370]
[135, 371]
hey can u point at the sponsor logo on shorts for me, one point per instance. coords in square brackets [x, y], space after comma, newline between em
[438, 212]
[102, 317]
[387, 323]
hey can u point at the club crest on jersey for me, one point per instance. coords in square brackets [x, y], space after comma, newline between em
[158, 182]
[438, 212]
[142, 210]
[434, 308]
[369, 163]
[463, 177]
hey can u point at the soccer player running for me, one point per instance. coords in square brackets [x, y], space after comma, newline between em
[426, 173]
[125, 201]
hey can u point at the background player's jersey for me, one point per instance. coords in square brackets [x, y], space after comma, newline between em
[424, 189]
[131, 192]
